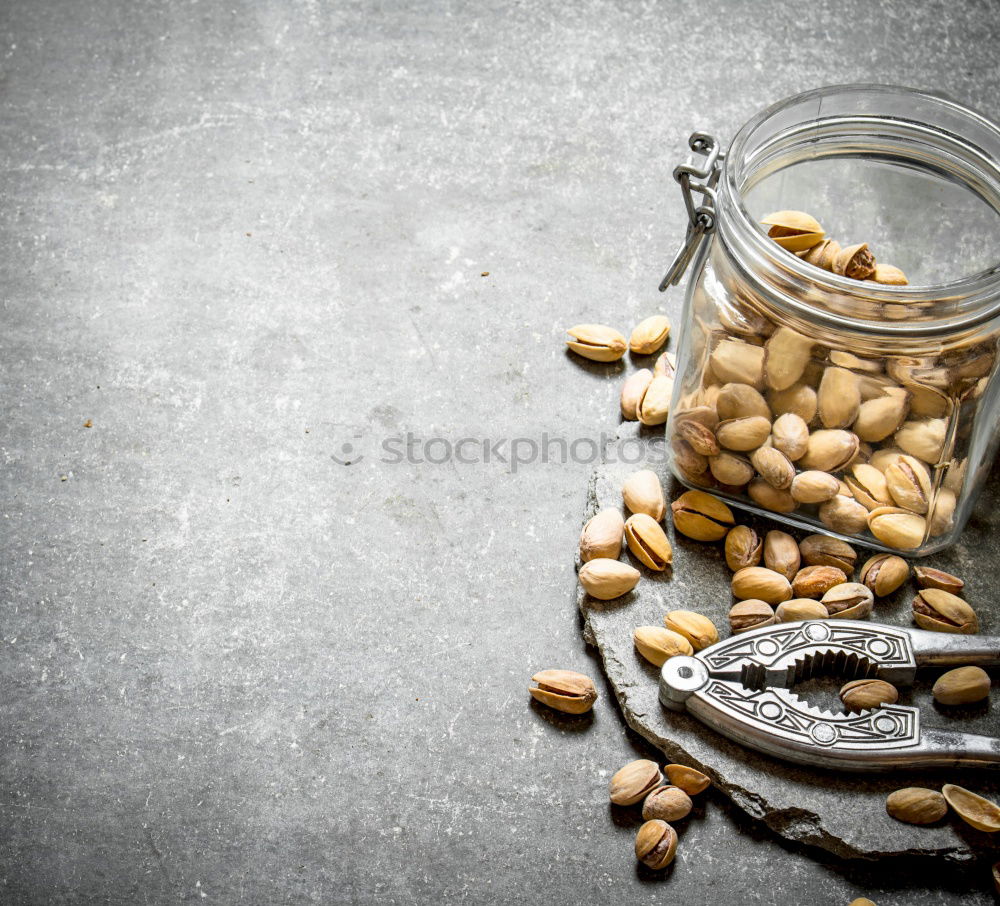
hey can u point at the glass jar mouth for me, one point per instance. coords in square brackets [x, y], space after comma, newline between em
[933, 132]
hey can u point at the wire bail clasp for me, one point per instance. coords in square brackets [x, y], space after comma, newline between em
[701, 217]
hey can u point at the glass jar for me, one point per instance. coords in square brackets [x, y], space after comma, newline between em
[861, 409]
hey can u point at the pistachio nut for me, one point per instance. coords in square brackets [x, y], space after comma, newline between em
[701, 516]
[770, 498]
[884, 574]
[890, 275]
[793, 230]
[564, 690]
[658, 645]
[973, 809]
[790, 435]
[839, 398]
[668, 803]
[936, 578]
[897, 528]
[813, 486]
[962, 686]
[701, 439]
[846, 359]
[740, 363]
[665, 365]
[633, 391]
[877, 418]
[883, 457]
[829, 449]
[861, 901]
[849, 601]
[916, 805]
[942, 611]
[799, 399]
[607, 579]
[928, 402]
[693, 465]
[816, 581]
[868, 486]
[787, 354]
[781, 554]
[800, 609]
[740, 401]
[654, 407]
[863, 694]
[743, 434]
[688, 779]
[602, 536]
[923, 439]
[773, 466]
[702, 413]
[731, 469]
[643, 493]
[843, 514]
[942, 512]
[743, 547]
[656, 844]
[698, 629]
[634, 782]
[760, 584]
[597, 342]
[822, 550]
[649, 335]
[855, 262]
[648, 542]
[822, 254]
[908, 483]
[751, 614]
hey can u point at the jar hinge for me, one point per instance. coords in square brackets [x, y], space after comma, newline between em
[701, 218]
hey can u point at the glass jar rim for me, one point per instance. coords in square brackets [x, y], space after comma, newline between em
[966, 301]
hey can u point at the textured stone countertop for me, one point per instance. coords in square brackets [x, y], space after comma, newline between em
[266, 627]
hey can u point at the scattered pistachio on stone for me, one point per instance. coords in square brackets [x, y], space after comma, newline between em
[634, 782]
[916, 805]
[648, 542]
[690, 780]
[822, 550]
[656, 844]
[800, 609]
[643, 493]
[743, 547]
[657, 645]
[564, 690]
[884, 573]
[936, 578]
[942, 611]
[649, 335]
[698, 629]
[972, 808]
[654, 407]
[760, 584]
[816, 581]
[607, 579]
[602, 536]
[597, 342]
[962, 686]
[668, 803]
[849, 601]
[633, 391]
[751, 614]
[782, 554]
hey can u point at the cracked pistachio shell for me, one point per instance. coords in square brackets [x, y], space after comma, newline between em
[927, 577]
[654, 407]
[799, 399]
[740, 363]
[757, 583]
[849, 601]
[771, 498]
[701, 438]
[822, 254]
[941, 611]
[597, 342]
[658, 645]
[916, 805]
[602, 536]
[790, 435]
[665, 365]
[909, 483]
[973, 809]
[800, 609]
[656, 844]
[751, 614]
[829, 450]
[701, 516]
[923, 439]
[962, 686]
[890, 275]
[688, 779]
[815, 581]
[927, 402]
[855, 261]
[648, 542]
[822, 550]
[668, 803]
[607, 579]
[564, 690]
[743, 547]
[634, 782]
[897, 528]
[773, 466]
[839, 398]
[649, 335]
[877, 418]
[868, 486]
[633, 391]
[740, 401]
[787, 352]
[885, 573]
[731, 469]
[863, 694]
[743, 434]
[698, 629]
[794, 231]
[813, 486]
[781, 554]
[844, 515]
[643, 493]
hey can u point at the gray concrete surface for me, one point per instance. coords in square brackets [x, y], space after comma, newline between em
[240, 236]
